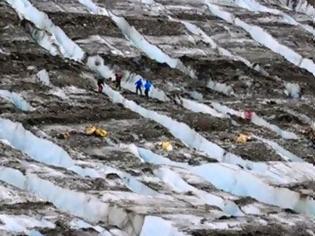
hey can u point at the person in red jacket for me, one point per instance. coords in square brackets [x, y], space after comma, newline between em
[248, 115]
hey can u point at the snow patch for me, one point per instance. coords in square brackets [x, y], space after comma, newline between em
[43, 77]
[292, 90]
[90, 5]
[137, 186]
[257, 120]
[202, 108]
[58, 92]
[3, 52]
[220, 87]
[96, 63]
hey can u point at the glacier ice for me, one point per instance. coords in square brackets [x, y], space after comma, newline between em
[16, 99]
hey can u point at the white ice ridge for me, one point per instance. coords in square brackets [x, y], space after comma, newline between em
[55, 35]
[36, 148]
[263, 37]
[254, 6]
[195, 106]
[76, 203]
[234, 180]
[16, 99]
[179, 185]
[239, 182]
[157, 226]
[301, 6]
[80, 224]
[138, 40]
[22, 223]
[285, 154]
[131, 182]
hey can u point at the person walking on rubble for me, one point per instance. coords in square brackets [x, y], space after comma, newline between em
[147, 87]
[118, 79]
[100, 84]
[139, 85]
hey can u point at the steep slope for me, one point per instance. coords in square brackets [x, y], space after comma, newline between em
[210, 63]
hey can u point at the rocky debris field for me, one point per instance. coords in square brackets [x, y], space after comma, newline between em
[225, 145]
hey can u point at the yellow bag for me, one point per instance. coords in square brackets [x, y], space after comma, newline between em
[243, 138]
[66, 135]
[101, 132]
[167, 146]
[90, 130]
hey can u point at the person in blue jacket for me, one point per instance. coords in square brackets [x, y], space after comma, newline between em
[139, 85]
[147, 87]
